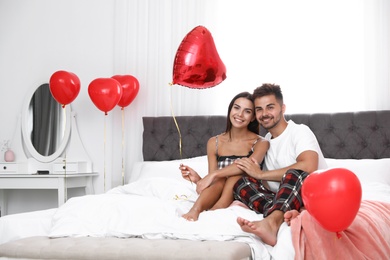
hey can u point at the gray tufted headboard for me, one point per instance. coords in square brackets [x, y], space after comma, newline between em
[349, 135]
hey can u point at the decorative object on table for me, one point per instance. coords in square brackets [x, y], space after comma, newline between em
[9, 155]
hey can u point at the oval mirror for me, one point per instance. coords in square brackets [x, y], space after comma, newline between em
[45, 125]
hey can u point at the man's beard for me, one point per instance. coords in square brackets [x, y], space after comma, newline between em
[275, 122]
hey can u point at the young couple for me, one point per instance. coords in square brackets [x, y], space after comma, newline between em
[266, 174]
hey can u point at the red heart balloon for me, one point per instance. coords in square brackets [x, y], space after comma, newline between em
[105, 93]
[130, 88]
[332, 197]
[197, 63]
[64, 86]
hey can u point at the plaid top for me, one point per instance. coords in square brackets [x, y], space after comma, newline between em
[224, 161]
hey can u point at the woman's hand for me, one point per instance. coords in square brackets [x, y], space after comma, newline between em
[250, 166]
[189, 174]
[204, 183]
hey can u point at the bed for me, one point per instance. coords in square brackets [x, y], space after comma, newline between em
[141, 220]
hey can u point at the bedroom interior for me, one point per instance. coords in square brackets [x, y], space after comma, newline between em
[337, 66]
[127, 221]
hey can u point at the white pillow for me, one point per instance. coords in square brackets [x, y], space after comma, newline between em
[367, 170]
[168, 169]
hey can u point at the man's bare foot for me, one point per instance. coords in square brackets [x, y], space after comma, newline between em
[290, 215]
[263, 229]
[192, 215]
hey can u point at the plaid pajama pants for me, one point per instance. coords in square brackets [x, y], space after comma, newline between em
[252, 193]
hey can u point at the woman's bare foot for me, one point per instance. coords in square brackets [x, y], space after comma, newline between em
[290, 215]
[192, 215]
[264, 229]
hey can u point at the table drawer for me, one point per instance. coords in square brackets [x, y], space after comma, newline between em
[8, 168]
[69, 167]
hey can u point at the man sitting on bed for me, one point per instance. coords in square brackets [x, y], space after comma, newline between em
[294, 153]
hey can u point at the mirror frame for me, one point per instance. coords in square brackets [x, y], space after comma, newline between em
[32, 152]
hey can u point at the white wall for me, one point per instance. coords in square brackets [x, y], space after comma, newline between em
[39, 38]
[327, 56]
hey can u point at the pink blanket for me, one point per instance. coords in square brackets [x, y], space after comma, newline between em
[368, 237]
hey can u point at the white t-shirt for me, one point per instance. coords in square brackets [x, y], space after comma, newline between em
[285, 148]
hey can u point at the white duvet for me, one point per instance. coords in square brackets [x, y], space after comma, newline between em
[151, 208]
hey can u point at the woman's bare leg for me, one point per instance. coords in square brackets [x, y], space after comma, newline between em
[207, 198]
[227, 193]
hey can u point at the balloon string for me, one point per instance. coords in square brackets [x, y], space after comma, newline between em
[338, 235]
[177, 126]
[104, 148]
[123, 145]
[65, 179]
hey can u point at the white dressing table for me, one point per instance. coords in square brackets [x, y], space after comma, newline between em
[46, 142]
[59, 182]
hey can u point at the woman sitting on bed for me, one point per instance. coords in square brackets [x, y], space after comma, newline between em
[240, 139]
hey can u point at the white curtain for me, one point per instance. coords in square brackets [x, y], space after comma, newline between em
[377, 54]
[328, 56]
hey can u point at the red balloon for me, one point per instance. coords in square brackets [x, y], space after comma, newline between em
[64, 86]
[197, 63]
[130, 88]
[332, 197]
[105, 93]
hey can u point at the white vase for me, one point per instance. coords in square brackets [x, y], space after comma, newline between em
[9, 156]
